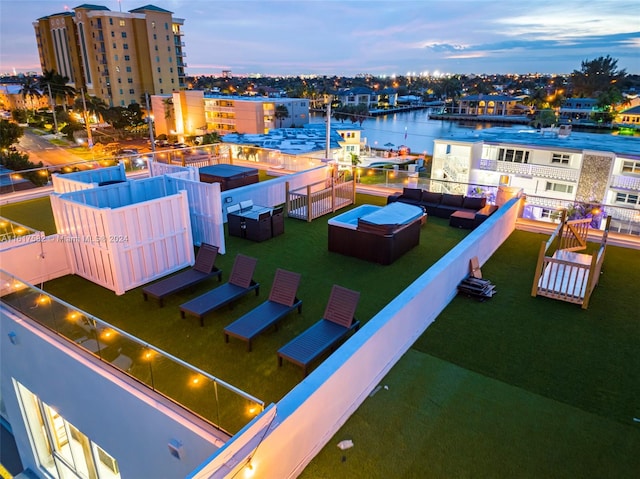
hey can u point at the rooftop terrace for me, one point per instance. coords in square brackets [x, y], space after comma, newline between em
[515, 380]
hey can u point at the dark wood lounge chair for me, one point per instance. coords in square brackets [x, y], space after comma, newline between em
[337, 322]
[240, 283]
[204, 268]
[282, 300]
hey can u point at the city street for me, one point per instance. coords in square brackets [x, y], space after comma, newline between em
[41, 149]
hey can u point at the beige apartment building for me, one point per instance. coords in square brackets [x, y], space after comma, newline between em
[192, 113]
[116, 56]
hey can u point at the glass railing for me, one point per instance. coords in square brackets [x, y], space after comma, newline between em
[32, 179]
[219, 403]
[10, 231]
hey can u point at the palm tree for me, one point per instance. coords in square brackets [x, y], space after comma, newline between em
[95, 106]
[30, 90]
[282, 112]
[57, 84]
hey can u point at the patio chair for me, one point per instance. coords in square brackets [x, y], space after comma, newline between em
[234, 222]
[240, 283]
[337, 322]
[282, 300]
[259, 229]
[277, 221]
[204, 268]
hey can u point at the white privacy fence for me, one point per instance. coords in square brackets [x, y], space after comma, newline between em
[125, 235]
[82, 180]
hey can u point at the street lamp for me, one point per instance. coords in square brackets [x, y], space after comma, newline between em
[150, 123]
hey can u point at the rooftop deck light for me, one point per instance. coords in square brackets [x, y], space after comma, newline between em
[43, 300]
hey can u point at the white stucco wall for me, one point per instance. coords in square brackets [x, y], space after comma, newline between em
[127, 420]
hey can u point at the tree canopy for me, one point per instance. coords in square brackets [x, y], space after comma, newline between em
[9, 133]
[596, 76]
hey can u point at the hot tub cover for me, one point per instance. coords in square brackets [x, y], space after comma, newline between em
[394, 214]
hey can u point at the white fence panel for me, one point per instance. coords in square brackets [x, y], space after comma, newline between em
[82, 180]
[113, 247]
[159, 169]
[205, 208]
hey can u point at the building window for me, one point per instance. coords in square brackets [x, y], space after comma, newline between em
[155, 47]
[157, 59]
[129, 80]
[159, 70]
[628, 198]
[166, 26]
[167, 37]
[153, 25]
[114, 45]
[121, 91]
[546, 213]
[159, 80]
[512, 155]
[124, 34]
[161, 91]
[155, 37]
[170, 69]
[115, 57]
[110, 21]
[632, 167]
[126, 58]
[122, 103]
[59, 445]
[562, 158]
[558, 187]
[172, 80]
[119, 80]
[131, 91]
[125, 46]
[113, 34]
[128, 69]
[122, 23]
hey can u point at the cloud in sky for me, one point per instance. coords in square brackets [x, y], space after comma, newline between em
[347, 37]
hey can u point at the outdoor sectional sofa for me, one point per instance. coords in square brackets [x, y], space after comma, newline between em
[467, 211]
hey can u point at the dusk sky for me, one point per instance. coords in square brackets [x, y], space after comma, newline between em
[348, 37]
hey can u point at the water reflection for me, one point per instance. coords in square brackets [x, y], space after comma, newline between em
[412, 128]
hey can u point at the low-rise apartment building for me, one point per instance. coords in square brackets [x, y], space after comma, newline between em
[192, 113]
[585, 167]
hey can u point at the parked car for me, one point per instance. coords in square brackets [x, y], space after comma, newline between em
[178, 145]
[162, 143]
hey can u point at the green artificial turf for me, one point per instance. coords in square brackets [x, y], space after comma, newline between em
[303, 249]
[438, 420]
[35, 214]
[515, 386]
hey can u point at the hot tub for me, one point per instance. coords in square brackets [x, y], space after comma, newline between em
[380, 234]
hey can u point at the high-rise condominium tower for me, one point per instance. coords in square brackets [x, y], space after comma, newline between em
[116, 56]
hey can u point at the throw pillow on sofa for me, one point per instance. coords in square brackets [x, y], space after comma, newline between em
[430, 197]
[414, 194]
[452, 200]
[474, 203]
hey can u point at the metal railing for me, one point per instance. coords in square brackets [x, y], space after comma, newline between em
[217, 402]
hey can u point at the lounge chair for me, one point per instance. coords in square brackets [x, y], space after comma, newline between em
[282, 300]
[204, 268]
[337, 322]
[240, 283]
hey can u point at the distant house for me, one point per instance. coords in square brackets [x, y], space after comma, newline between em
[629, 118]
[578, 110]
[490, 105]
[388, 97]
